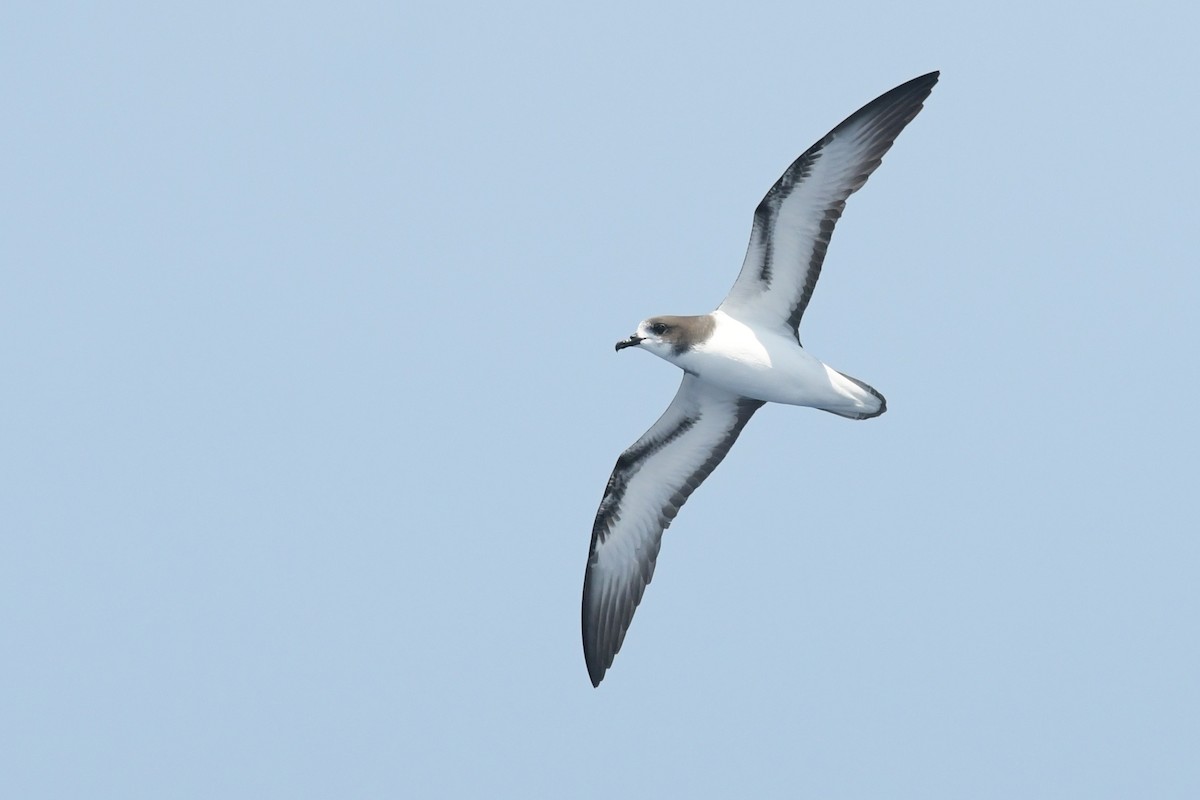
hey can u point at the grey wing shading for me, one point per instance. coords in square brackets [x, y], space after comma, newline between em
[651, 481]
[795, 220]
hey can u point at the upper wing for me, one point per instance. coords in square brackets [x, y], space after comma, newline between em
[795, 219]
[651, 481]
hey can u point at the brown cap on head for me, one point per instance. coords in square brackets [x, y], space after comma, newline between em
[682, 333]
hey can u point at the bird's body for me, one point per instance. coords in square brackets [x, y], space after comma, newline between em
[770, 365]
[744, 354]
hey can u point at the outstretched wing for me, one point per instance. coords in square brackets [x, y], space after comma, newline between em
[794, 221]
[651, 481]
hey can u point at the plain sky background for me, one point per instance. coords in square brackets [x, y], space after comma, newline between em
[309, 397]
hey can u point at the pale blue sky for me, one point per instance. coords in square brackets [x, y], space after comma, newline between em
[306, 320]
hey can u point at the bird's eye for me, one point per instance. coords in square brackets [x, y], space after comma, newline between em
[658, 328]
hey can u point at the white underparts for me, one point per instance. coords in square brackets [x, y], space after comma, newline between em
[766, 364]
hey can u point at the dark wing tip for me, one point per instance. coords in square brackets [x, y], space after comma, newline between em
[596, 673]
[922, 84]
[916, 90]
[606, 616]
[597, 664]
[928, 79]
[897, 107]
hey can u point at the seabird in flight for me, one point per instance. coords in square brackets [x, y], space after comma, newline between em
[744, 354]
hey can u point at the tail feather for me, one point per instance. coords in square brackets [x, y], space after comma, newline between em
[862, 401]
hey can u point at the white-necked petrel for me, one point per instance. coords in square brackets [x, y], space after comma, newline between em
[744, 354]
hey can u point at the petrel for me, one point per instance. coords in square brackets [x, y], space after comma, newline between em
[734, 360]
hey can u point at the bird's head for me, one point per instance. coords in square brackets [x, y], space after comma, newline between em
[668, 336]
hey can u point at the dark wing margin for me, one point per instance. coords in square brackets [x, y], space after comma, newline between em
[794, 221]
[649, 484]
